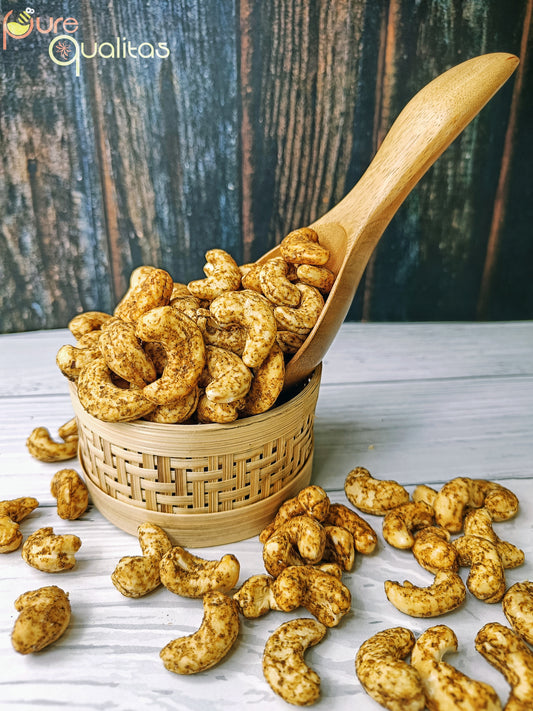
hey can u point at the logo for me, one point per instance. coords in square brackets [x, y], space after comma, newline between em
[21, 25]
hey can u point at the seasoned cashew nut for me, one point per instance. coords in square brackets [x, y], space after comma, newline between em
[254, 313]
[319, 277]
[300, 540]
[445, 594]
[190, 576]
[175, 412]
[301, 247]
[302, 318]
[373, 496]
[124, 354]
[41, 446]
[185, 352]
[340, 547]
[228, 379]
[223, 413]
[12, 512]
[68, 430]
[433, 550]
[275, 284]
[364, 536]
[517, 606]
[135, 576]
[87, 322]
[288, 341]
[255, 597]
[400, 522]
[446, 688]
[425, 493]
[232, 338]
[284, 666]
[44, 615]
[510, 655]
[322, 594]
[49, 552]
[188, 305]
[486, 579]
[10, 535]
[250, 277]
[479, 523]
[222, 274]
[71, 493]
[267, 383]
[383, 673]
[71, 360]
[311, 500]
[210, 643]
[148, 290]
[101, 398]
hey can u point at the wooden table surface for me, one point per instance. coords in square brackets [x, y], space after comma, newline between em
[419, 403]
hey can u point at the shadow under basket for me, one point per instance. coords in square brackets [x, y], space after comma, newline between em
[205, 484]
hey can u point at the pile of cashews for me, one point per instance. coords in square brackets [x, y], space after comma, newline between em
[211, 350]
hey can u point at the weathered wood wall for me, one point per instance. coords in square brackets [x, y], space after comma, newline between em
[262, 116]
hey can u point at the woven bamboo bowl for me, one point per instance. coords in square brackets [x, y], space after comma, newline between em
[205, 484]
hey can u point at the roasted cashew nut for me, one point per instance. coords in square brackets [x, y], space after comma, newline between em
[311, 500]
[267, 383]
[190, 576]
[175, 412]
[41, 446]
[210, 643]
[301, 319]
[49, 552]
[44, 615]
[221, 412]
[284, 666]
[71, 360]
[478, 522]
[12, 512]
[275, 284]
[87, 322]
[124, 354]
[383, 673]
[149, 289]
[301, 247]
[446, 593]
[425, 493]
[319, 277]
[400, 522]
[250, 276]
[71, 493]
[254, 313]
[228, 379]
[222, 274]
[486, 579]
[510, 655]
[288, 341]
[364, 536]
[447, 688]
[433, 550]
[101, 398]
[300, 540]
[255, 597]
[517, 606]
[135, 576]
[232, 338]
[185, 352]
[373, 496]
[340, 547]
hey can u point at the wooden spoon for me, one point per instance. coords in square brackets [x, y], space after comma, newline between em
[351, 230]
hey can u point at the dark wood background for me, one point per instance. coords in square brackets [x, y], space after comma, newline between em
[262, 117]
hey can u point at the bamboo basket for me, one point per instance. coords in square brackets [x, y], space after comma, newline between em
[205, 484]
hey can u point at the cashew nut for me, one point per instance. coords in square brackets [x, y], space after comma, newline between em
[124, 355]
[210, 643]
[254, 313]
[87, 322]
[364, 536]
[275, 284]
[228, 379]
[288, 341]
[284, 666]
[149, 288]
[486, 579]
[232, 338]
[255, 597]
[340, 546]
[300, 540]
[71, 493]
[185, 352]
[41, 446]
[12, 512]
[71, 360]
[44, 617]
[301, 247]
[446, 688]
[425, 493]
[135, 576]
[267, 383]
[508, 653]
[221, 412]
[373, 496]
[479, 523]
[301, 318]
[10, 535]
[311, 500]
[222, 274]
[400, 522]
[445, 594]
[383, 673]
[319, 277]
[433, 550]
[175, 412]
[101, 398]
[190, 576]
[49, 552]
[517, 606]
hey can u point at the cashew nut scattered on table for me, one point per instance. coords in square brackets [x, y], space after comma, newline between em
[373, 496]
[227, 379]
[222, 275]
[311, 500]
[301, 318]
[255, 597]
[478, 522]
[267, 383]
[44, 615]
[71, 493]
[124, 354]
[148, 290]
[446, 592]
[433, 549]
[517, 606]
[284, 666]
[400, 522]
[446, 688]
[385, 675]
[300, 540]
[12, 512]
[340, 547]
[364, 537]
[87, 322]
[41, 446]
[135, 576]
[49, 552]
[210, 643]
[275, 284]
[486, 579]
[510, 655]
[424, 493]
[190, 576]
[301, 246]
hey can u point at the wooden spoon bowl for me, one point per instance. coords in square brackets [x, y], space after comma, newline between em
[351, 229]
